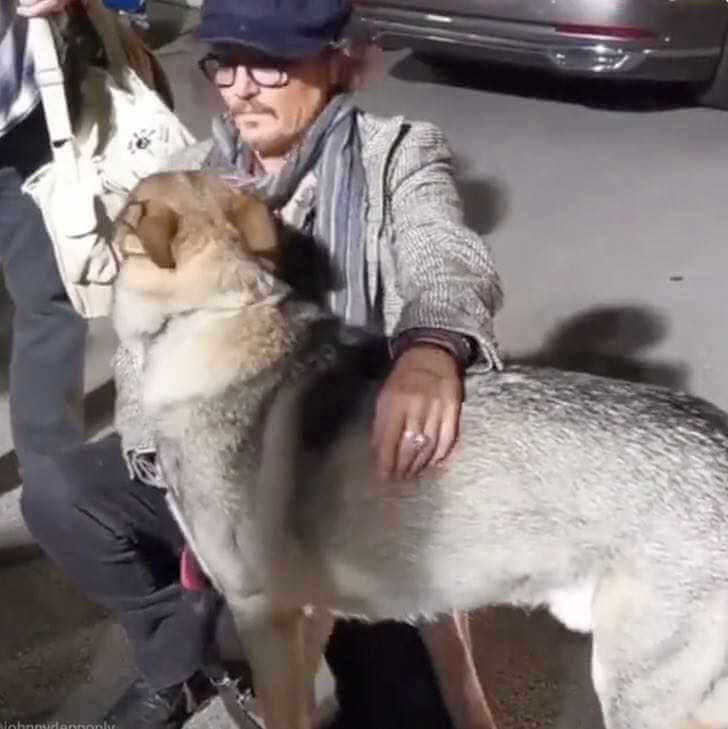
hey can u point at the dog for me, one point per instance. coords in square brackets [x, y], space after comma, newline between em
[605, 502]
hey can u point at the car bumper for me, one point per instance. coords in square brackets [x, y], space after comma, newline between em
[538, 46]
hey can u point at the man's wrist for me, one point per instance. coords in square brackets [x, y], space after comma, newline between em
[459, 347]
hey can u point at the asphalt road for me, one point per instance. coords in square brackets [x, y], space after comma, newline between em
[605, 210]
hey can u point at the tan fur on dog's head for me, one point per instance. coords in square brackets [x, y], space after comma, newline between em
[171, 216]
[190, 241]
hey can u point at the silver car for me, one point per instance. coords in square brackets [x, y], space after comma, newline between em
[660, 40]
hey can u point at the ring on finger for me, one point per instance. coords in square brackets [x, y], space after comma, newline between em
[418, 439]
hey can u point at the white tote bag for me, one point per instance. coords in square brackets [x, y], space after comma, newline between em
[122, 133]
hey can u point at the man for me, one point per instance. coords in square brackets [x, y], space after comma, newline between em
[47, 359]
[379, 194]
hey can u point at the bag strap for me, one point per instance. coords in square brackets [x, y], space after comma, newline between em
[124, 49]
[49, 77]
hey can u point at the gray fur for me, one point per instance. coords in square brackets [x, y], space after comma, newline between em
[557, 478]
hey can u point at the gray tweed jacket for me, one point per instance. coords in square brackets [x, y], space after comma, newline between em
[426, 267]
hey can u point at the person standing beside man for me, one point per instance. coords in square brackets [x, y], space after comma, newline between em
[49, 337]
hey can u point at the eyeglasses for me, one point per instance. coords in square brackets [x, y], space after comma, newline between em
[223, 71]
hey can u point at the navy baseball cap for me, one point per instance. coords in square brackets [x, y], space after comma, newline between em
[278, 28]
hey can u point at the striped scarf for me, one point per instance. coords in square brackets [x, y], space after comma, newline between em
[332, 149]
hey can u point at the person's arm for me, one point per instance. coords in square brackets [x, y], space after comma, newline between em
[136, 432]
[42, 8]
[445, 272]
[451, 292]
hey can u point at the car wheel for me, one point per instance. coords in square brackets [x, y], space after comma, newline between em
[715, 94]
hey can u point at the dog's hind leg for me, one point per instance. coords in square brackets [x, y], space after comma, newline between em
[449, 644]
[317, 630]
[658, 652]
[275, 649]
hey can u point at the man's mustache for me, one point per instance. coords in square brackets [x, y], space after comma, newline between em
[252, 107]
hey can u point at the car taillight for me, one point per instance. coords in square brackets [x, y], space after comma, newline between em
[606, 31]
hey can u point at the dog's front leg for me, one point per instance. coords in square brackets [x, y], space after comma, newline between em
[276, 653]
[450, 647]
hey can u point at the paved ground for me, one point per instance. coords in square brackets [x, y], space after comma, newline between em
[605, 209]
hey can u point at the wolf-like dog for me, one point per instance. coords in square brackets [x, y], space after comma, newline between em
[604, 501]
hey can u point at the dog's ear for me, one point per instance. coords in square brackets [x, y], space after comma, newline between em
[256, 225]
[156, 229]
[147, 228]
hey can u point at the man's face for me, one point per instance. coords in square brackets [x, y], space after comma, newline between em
[272, 102]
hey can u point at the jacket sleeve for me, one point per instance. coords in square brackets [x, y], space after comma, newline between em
[445, 272]
[136, 433]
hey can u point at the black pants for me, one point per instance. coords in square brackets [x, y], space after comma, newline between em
[118, 542]
[47, 357]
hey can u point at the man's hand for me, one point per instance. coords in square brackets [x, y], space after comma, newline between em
[417, 413]
[40, 8]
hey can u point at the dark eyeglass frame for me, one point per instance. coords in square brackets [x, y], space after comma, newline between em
[213, 63]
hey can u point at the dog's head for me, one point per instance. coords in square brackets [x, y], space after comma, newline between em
[192, 233]
[189, 242]
[172, 218]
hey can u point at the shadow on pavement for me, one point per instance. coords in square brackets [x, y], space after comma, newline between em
[610, 342]
[486, 202]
